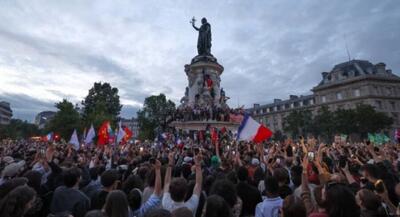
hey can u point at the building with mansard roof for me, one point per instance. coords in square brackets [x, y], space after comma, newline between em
[347, 85]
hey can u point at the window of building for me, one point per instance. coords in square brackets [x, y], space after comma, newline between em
[395, 117]
[393, 105]
[357, 92]
[301, 103]
[376, 90]
[378, 104]
[311, 101]
[339, 96]
[389, 91]
[323, 98]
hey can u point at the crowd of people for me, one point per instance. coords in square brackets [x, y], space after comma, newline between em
[226, 179]
[206, 113]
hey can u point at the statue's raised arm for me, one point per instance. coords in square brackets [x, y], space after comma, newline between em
[192, 22]
[204, 39]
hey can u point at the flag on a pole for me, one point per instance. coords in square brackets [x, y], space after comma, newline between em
[128, 135]
[214, 135]
[74, 140]
[49, 137]
[162, 137]
[111, 134]
[397, 134]
[103, 136]
[90, 135]
[251, 130]
[121, 133]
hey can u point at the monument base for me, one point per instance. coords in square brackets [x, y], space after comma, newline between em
[204, 58]
[201, 125]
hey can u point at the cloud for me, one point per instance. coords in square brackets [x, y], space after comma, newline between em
[51, 50]
[25, 107]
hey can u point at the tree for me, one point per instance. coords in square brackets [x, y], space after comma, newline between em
[324, 123]
[345, 121]
[65, 120]
[102, 103]
[298, 122]
[278, 136]
[368, 120]
[18, 129]
[157, 113]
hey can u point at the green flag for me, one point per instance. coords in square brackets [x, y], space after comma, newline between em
[371, 137]
[379, 139]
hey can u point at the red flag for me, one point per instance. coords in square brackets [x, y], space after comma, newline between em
[223, 130]
[263, 133]
[214, 135]
[128, 135]
[103, 137]
[201, 136]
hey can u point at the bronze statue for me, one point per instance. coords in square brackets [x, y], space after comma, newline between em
[204, 40]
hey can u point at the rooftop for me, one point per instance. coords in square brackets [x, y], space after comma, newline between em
[354, 68]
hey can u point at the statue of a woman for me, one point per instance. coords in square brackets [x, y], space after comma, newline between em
[204, 40]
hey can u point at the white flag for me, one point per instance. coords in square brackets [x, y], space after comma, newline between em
[121, 133]
[90, 135]
[74, 140]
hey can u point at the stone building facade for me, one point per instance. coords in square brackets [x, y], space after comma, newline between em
[345, 86]
[5, 113]
[43, 118]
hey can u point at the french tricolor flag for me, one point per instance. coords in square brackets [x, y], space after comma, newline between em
[48, 137]
[251, 130]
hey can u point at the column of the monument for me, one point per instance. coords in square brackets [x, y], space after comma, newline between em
[216, 87]
[192, 88]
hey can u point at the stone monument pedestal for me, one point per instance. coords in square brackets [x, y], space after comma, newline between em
[204, 93]
[201, 125]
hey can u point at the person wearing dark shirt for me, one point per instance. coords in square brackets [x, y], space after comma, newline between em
[68, 198]
[94, 185]
[109, 181]
[282, 175]
[247, 193]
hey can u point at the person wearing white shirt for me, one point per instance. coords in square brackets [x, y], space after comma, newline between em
[272, 202]
[175, 190]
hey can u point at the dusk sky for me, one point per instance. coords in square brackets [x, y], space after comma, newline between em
[50, 50]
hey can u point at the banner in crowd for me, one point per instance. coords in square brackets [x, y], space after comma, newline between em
[378, 138]
[236, 118]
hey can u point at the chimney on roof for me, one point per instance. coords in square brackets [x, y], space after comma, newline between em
[256, 105]
[293, 97]
[324, 76]
[277, 100]
[389, 71]
[380, 68]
